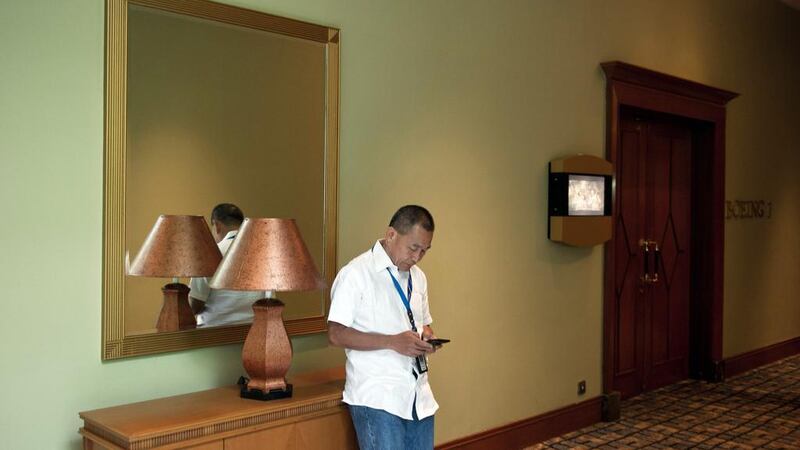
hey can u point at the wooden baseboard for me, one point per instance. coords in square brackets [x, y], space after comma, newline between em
[759, 357]
[532, 430]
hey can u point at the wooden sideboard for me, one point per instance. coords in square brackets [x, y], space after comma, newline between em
[217, 419]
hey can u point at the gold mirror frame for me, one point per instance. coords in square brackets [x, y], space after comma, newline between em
[115, 344]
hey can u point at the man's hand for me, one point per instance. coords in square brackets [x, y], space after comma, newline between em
[427, 334]
[408, 343]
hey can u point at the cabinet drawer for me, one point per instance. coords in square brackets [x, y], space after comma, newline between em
[331, 431]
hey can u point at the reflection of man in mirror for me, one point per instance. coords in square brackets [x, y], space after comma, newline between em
[215, 307]
[379, 314]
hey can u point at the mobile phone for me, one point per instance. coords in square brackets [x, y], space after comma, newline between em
[437, 342]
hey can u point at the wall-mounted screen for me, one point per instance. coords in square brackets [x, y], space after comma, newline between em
[579, 195]
[586, 195]
[579, 200]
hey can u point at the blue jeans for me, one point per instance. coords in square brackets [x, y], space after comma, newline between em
[379, 430]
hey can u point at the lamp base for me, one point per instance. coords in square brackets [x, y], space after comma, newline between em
[267, 352]
[176, 314]
[257, 394]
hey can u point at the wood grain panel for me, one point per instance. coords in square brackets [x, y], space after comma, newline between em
[215, 445]
[319, 433]
[280, 437]
[631, 201]
[658, 221]
[670, 161]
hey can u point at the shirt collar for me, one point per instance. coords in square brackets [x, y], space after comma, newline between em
[231, 234]
[380, 259]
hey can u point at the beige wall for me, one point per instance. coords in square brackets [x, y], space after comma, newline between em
[762, 256]
[457, 105]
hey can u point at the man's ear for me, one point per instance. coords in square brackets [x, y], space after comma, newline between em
[390, 234]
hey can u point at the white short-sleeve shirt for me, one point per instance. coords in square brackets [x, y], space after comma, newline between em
[363, 297]
[223, 307]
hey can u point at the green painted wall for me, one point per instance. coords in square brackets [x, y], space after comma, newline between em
[454, 104]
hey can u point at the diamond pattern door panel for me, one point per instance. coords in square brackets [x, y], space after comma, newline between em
[628, 306]
[669, 176]
[653, 203]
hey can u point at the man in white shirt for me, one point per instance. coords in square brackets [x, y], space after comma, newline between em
[215, 307]
[379, 314]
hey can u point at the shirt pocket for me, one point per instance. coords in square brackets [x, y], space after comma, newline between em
[376, 313]
[418, 308]
[366, 314]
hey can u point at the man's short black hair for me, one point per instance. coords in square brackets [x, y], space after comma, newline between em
[227, 214]
[406, 217]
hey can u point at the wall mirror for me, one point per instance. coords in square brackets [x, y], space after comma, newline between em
[209, 103]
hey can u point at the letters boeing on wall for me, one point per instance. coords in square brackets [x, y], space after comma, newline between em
[579, 200]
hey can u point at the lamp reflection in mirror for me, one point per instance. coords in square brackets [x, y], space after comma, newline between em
[267, 255]
[177, 246]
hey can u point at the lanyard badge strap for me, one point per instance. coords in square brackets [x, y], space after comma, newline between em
[421, 361]
[406, 298]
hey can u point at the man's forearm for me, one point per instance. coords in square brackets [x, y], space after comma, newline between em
[342, 336]
[406, 343]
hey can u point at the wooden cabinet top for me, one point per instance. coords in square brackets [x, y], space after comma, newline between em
[206, 415]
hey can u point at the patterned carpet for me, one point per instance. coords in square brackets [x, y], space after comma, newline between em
[758, 409]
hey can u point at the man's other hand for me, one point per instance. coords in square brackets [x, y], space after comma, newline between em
[409, 343]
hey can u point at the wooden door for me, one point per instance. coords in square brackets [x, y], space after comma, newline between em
[652, 242]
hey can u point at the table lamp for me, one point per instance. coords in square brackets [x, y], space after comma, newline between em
[177, 246]
[267, 255]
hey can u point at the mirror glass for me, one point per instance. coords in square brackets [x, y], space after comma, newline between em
[218, 112]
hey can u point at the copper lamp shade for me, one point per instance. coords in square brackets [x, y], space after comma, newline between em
[177, 246]
[269, 255]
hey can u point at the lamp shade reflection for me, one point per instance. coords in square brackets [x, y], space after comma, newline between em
[268, 255]
[177, 246]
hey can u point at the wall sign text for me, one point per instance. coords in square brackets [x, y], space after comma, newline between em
[748, 209]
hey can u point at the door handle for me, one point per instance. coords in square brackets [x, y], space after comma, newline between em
[646, 245]
[656, 259]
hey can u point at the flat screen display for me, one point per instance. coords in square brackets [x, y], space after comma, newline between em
[586, 195]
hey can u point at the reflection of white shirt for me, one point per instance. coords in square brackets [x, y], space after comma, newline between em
[364, 298]
[223, 307]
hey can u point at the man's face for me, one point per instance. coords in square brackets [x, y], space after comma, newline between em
[405, 250]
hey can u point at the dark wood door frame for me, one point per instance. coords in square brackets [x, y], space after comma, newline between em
[629, 86]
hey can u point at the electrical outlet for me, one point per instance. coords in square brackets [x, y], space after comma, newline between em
[581, 387]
